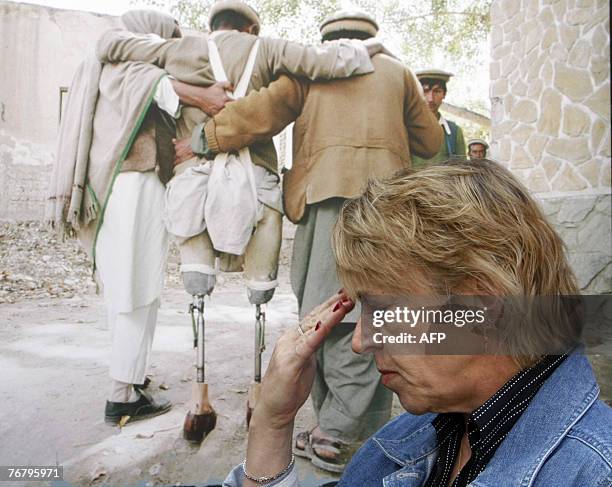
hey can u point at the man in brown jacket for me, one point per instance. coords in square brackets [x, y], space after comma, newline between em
[345, 132]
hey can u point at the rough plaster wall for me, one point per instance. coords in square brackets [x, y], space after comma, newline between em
[585, 224]
[550, 99]
[40, 50]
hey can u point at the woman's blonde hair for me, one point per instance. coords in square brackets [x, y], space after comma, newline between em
[450, 223]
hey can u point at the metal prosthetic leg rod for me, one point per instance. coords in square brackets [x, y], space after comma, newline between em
[198, 305]
[260, 346]
[260, 338]
[201, 418]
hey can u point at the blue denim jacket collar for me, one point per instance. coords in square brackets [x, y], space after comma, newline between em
[419, 443]
[569, 392]
[416, 453]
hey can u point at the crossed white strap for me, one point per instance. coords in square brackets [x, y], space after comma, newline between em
[244, 155]
[219, 73]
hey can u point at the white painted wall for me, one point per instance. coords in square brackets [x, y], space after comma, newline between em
[39, 52]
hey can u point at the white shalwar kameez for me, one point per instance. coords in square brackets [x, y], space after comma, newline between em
[131, 255]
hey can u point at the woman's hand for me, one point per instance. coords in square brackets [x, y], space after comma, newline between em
[290, 374]
[286, 386]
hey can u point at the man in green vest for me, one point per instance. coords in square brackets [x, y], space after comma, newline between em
[434, 82]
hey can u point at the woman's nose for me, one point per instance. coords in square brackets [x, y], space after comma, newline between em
[363, 339]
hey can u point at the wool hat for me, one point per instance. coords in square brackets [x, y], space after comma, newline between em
[237, 6]
[349, 20]
[477, 141]
[434, 74]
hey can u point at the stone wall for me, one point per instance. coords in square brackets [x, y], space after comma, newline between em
[41, 48]
[585, 224]
[550, 100]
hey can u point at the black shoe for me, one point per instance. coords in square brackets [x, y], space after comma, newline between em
[145, 407]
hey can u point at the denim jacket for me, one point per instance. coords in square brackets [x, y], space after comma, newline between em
[564, 438]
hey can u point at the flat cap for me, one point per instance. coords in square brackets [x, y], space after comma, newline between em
[477, 141]
[237, 6]
[434, 74]
[349, 20]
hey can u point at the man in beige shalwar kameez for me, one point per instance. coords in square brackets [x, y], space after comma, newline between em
[114, 157]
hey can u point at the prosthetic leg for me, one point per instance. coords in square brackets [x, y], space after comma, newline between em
[260, 346]
[201, 418]
[261, 268]
[199, 279]
[198, 268]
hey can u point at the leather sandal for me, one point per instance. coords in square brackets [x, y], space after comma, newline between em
[337, 455]
[338, 452]
[304, 450]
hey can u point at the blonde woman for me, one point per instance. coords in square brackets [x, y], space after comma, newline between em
[459, 228]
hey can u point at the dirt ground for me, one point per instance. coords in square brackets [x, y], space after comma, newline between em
[54, 348]
[53, 355]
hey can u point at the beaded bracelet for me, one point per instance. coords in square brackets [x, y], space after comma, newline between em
[263, 480]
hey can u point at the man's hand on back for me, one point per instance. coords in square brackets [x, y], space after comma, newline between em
[182, 148]
[210, 100]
